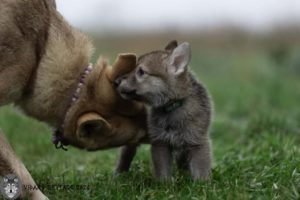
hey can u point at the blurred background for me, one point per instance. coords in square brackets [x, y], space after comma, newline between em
[215, 23]
[247, 52]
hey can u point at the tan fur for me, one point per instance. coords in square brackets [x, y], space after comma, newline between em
[41, 61]
[126, 119]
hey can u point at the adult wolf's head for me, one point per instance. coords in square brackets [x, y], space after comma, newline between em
[159, 76]
[101, 118]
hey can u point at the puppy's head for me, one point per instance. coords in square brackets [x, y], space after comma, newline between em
[101, 118]
[157, 76]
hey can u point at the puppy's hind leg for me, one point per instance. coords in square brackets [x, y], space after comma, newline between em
[162, 161]
[200, 161]
[10, 164]
[127, 154]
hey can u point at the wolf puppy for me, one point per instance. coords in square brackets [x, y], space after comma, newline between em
[44, 66]
[179, 110]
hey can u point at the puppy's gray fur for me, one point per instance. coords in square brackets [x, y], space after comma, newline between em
[179, 112]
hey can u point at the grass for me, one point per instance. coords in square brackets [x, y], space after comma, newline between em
[255, 134]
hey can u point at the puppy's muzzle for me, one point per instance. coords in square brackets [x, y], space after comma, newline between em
[129, 92]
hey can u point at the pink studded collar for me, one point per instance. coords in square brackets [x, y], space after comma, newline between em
[57, 138]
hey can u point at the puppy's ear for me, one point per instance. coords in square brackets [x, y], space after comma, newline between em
[171, 46]
[90, 124]
[180, 58]
[124, 64]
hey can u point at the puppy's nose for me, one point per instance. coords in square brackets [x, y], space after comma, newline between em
[117, 82]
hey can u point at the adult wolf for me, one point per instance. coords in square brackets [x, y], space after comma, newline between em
[45, 70]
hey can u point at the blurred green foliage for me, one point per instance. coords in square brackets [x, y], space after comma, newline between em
[255, 134]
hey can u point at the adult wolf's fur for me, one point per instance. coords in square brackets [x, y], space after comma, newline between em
[179, 111]
[41, 60]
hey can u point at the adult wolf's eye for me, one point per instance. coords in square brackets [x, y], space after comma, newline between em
[140, 72]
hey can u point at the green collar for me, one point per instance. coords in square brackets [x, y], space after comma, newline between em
[172, 105]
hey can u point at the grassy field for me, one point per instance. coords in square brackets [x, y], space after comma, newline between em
[255, 134]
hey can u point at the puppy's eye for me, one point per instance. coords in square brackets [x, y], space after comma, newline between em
[140, 72]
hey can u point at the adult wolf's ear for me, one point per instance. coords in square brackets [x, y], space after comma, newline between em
[171, 46]
[124, 64]
[180, 58]
[90, 124]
